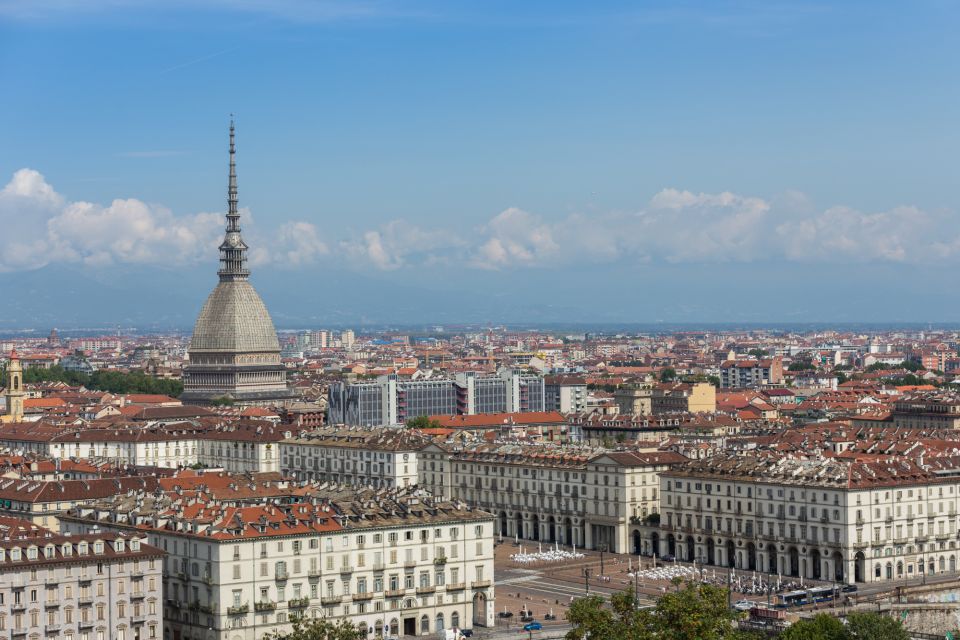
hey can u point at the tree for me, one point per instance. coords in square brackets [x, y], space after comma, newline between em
[801, 366]
[668, 375]
[694, 612]
[820, 627]
[318, 629]
[757, 353]
[422, 422]
[872, 626]
[911, 365]
[714, 380]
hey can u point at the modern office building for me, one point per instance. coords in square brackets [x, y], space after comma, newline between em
[390, 400]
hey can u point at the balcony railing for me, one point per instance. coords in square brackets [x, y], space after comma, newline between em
[479, 584]
[456, 586]
[330, 600]
[264, 605]
[238, 610]
[427, 589]
[299, 603]
[394, 593]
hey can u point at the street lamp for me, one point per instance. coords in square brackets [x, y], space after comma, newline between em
[603, 547]
[586, 580]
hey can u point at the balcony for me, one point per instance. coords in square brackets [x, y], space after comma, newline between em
[51, 581]
[440, 561]
[16, 633]
[51, 604]
[456, 586]
[85, 624]
[344, 571]
[138, 595]
[264, 605]
[85, 601]
[299, 603]
[138, 621]
[326, 600]
[410, 564]
[281, 575]
[378, 566]
[394, 593]
[859, 521]
[423, 590]
[479, 584]
[238, 610]
[51, 628]
[359, 597]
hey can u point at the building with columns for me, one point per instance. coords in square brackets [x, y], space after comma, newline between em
[822, 518]
[586, 497]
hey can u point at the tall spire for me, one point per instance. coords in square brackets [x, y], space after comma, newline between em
[233, 250]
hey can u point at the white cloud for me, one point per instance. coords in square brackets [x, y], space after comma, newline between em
[38, 226]
[400, 243]
[515, 236]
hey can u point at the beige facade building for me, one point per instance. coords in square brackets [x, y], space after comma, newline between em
[569, 495]
[390, 563]
[93, 586]
[355, 456]
[824, 518]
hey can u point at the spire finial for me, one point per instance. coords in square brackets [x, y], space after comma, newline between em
[233, 251]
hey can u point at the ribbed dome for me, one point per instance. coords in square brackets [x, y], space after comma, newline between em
[234, 318]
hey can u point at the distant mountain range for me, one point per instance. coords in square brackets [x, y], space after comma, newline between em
[150, 298]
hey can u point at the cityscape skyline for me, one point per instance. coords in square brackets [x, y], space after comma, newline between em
[488, 204]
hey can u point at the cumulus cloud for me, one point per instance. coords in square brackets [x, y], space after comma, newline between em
[38, 226]
[515, 236]
[400, 243]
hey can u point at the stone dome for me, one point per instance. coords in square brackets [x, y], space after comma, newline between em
[234, 319]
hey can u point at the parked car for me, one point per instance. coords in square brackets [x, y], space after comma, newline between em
[849, 588]
[466, 633]
[532, 626]
[668, 557]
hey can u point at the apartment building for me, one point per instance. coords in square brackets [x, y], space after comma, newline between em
[80, 587]
[566, 394]
[354, 456]
[927, 410]
[237, 446]
[389, 562]
[42, 502]
[741, 374]
[570, 495]
[820, 518]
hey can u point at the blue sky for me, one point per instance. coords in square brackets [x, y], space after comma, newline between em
[602, 145]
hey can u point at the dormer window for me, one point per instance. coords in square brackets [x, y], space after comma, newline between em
[134, 545]
[82, 549]
[98, 547]
[66, 550]
[50, 551]
[118, 545]
[15, 554]
[31, 553]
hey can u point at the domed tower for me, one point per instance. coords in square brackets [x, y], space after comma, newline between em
[234, 352]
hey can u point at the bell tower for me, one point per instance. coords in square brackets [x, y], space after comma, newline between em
[14, 388]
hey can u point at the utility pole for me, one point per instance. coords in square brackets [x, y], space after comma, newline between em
[586, 580]
[603, 547]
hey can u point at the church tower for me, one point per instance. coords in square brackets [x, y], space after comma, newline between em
[14, 394]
